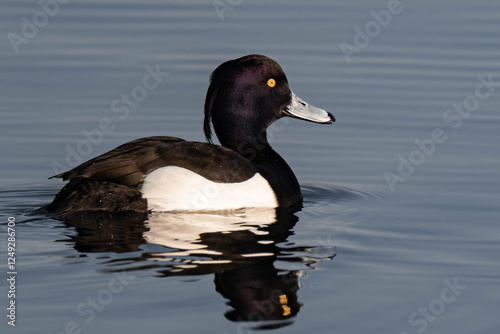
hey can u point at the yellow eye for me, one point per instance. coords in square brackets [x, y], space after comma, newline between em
[271, 82]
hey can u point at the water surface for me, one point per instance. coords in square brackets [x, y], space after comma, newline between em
[364, 255]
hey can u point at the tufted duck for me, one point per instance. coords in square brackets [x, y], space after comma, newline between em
[245, 96]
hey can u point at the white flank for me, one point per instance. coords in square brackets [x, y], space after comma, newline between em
[174, 188]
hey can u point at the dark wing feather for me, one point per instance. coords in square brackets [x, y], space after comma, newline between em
[129, 163]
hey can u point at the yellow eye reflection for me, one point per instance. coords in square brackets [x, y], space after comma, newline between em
[271, 82]
[286, 310]
[284, 301]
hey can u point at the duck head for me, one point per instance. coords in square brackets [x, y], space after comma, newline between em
[248, 94]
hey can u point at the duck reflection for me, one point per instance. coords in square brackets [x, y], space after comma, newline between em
[240, 247]
[259, 293]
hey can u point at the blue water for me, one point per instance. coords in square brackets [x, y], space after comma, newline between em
[399, 231]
